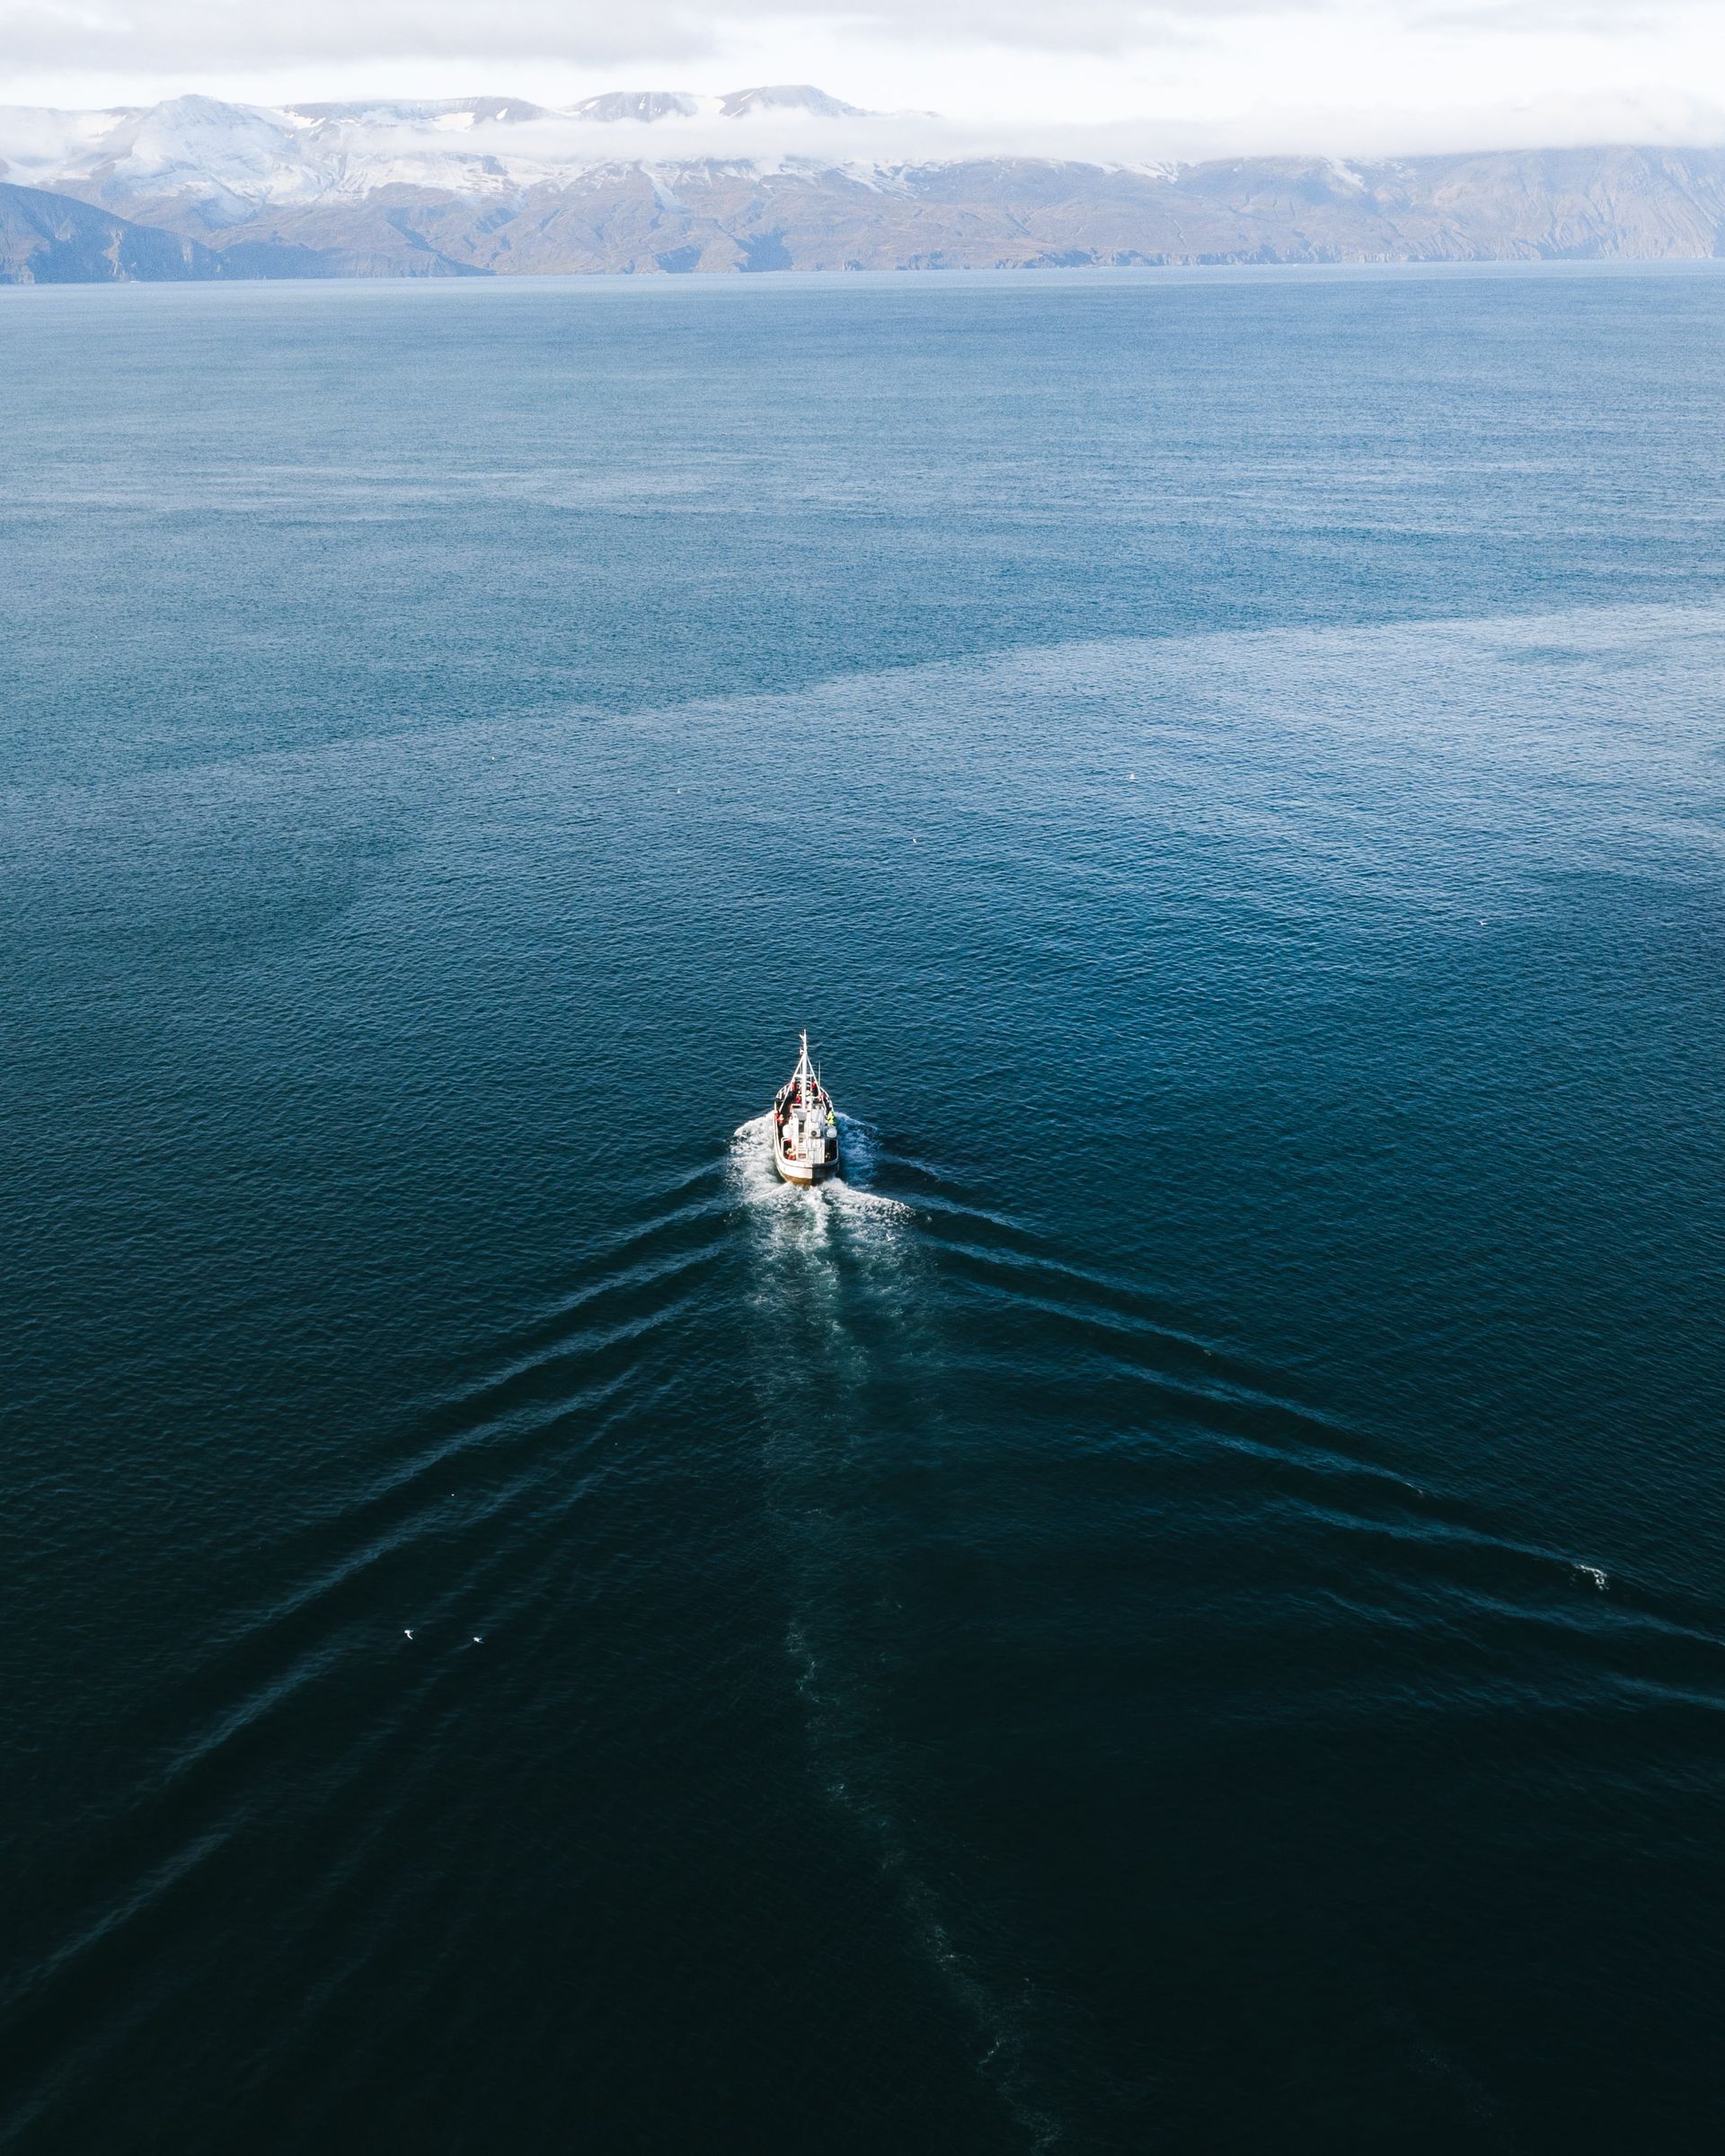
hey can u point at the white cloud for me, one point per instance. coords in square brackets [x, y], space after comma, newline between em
[1251, 73]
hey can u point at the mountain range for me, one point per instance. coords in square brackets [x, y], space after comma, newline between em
[767, 178]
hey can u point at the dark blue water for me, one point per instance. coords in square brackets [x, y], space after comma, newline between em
[1183, 1608]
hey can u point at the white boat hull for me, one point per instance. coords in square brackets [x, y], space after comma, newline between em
[805, 1126]
[804, 1172]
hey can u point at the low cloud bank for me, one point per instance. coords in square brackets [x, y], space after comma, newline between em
[1646, 118]
[545, 144]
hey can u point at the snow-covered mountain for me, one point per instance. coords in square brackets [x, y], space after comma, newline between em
[781, 177]
[199, 163]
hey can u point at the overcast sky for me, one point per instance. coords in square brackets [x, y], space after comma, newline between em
[1249, 74]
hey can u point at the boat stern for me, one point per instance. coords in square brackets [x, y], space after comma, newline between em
[805, 1152]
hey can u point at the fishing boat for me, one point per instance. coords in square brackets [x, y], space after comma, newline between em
[805, 1126]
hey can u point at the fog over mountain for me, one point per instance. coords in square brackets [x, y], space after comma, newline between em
[786, 176]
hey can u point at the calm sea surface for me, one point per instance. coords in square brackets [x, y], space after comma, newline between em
[1182, 1608]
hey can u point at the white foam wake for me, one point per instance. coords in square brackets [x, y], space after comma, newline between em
[859, 1155]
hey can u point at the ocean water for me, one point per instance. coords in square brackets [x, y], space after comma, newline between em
[1182, 1607]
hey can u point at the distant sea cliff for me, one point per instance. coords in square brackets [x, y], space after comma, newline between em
[47, 239]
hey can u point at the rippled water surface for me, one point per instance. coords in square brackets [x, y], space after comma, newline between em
[1182, 1607]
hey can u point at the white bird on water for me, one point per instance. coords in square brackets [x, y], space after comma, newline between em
[407, 1631]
